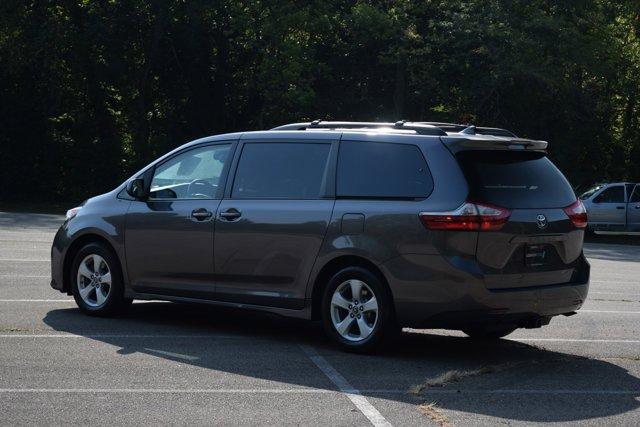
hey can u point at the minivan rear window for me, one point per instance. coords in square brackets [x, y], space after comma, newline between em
[515, 179]
[382, 170]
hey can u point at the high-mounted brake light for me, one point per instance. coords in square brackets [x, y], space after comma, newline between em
[577, 213]
[470, 217]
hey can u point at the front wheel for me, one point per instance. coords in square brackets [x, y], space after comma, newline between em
[96, 281]
[356, 311]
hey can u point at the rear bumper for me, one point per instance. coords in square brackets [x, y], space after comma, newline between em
[455, 304]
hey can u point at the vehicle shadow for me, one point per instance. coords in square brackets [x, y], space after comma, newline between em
[264, 347]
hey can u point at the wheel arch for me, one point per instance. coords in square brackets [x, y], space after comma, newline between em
[332, 267]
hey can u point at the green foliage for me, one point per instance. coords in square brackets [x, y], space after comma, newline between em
[92, 90]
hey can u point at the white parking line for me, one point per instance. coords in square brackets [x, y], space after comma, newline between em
[37, 300]
[170, 390]
[533, 391]
[316, 391]
[25, 276]
[609, 311]
[574, 340]
[354, 395]
[614, 293]
[123, 336]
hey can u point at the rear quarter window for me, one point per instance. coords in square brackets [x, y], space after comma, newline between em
[382, 170]
[515, 179]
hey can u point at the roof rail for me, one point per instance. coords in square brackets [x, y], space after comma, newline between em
[419, 128]
[477, 130]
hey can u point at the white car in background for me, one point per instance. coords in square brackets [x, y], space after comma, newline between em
[613, 208]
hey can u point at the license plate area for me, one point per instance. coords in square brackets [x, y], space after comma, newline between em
[536, 255]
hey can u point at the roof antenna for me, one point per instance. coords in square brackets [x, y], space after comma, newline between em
[469, 130]
[399, 123]
[315, 122]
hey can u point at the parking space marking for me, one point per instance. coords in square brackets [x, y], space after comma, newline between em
[315, 391]
[354, 395]
[614, 293]
[532, 391]
[574, 340]
[168, 390]
[609, 311]
[37, 300]
[25, 276]
[125, 336]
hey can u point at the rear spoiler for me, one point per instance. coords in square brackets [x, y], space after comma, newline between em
[461, 142]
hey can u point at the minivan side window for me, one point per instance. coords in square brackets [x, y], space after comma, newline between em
[611, 195]
[194, 174]
[382, 170]
[269, 170]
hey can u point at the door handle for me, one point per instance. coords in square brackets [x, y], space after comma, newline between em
[637, 206]
[201, 214]
[619, 207]
[231, 214]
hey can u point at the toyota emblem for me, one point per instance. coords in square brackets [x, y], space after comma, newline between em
[541, 220]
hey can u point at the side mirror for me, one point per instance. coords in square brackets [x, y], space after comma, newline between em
[135, 188]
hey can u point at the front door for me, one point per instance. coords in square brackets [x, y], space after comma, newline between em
[169, 236]
[608, 210]
[633, 211]
[270, 226]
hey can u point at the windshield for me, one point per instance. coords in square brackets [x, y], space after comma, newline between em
[590, 191]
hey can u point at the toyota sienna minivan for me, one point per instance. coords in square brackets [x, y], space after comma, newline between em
[368, 227]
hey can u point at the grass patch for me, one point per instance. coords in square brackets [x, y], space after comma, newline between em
[431, 411]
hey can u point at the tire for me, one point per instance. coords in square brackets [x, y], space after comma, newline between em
[86, 284]
[376, 322]
[489, 332]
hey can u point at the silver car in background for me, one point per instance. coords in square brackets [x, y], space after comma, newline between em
[613, 208]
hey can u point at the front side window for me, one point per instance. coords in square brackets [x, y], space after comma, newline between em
[635, 196]
[194, 174]
[281, 171]
[611, 195]
[382, 170]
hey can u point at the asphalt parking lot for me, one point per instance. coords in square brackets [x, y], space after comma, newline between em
[170, 363]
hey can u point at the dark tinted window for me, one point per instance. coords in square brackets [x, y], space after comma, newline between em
[611, 195]
[635, 196]
[280, 171]
[515, 179]
[367, 169]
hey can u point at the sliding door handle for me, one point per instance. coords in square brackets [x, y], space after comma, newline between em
[231, 214]
[201, 214]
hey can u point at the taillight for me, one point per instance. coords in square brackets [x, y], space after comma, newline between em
[469, 216]
[577, 214]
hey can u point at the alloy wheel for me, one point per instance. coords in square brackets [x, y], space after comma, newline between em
[354, 310]
[94, 280]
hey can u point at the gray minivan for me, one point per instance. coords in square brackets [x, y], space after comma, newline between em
[368, 227]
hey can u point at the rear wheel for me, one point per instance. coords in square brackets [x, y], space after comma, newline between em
[489, 332]
[356, 310]
[96, 281]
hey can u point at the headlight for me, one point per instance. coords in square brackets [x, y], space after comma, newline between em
[72, 212]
